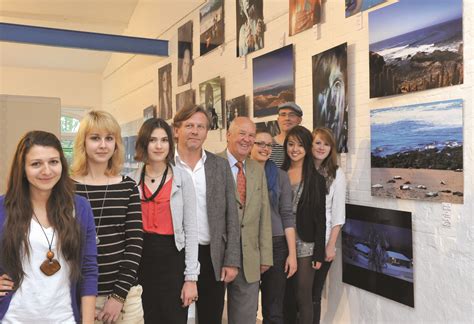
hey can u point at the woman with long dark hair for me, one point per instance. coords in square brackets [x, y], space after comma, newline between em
[324, 153]
[169, 267]
[273, 281]
[47, 239]
[309, 199]
[98, 159]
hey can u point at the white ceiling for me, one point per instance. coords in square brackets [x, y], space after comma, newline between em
[101, 16]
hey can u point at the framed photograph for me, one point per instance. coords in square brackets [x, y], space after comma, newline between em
[304, 14]
[185, 53]
[211, 17]
[355, 6]
[185, 99]
[164, 92]
[269, 126]
[330, 108]
[234, 108]
[417, 152]
[210, 93]
[377, 252]
[250, 26]
[415, 45]
[273, 86]
[149, 112]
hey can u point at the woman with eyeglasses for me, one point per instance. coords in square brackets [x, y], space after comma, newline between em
[324, 153]
[48, 261]
[169, 267]
[273, 281]
[309, 200]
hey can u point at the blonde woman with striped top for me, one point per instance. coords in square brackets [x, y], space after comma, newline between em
[115, 201]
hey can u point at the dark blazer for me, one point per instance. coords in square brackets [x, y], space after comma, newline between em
[255, 221]
[222, 214]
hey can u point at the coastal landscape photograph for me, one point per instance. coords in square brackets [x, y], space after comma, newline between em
[415, 45]
[417, 152]
[273, 86]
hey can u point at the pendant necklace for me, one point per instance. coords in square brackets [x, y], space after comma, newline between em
[97, 240]
[142, 183]
[153, 179]
[49, 266]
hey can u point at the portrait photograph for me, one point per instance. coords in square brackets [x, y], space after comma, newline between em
[211, 18]
[415, 45]
[304, 14]
[417, 152]
[210, 94]
[164, 90]
[234, 108]
[185, 99]
[377, 252]
[355, 6]
[250, 26]
[330, 107]
[273, 86]
[185, 53]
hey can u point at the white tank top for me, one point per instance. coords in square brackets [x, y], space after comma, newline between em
[41, 299]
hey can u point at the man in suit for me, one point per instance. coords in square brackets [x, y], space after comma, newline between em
[255, 222]
[218, 224]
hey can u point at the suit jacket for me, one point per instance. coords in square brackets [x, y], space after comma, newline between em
[222, 214]
[255, 221]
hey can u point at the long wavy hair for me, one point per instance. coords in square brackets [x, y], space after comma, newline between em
[330, 162]
[309, 174]
[19, 211]
[97, 120]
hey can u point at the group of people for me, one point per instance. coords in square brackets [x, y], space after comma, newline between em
[85, 243]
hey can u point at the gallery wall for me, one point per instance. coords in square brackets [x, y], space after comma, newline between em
[442, 233]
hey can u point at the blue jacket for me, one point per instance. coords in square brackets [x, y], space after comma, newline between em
[87, 286]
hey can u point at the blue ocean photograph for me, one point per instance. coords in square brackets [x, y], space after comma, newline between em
[417, 151]
[273, 81]
[415, 45]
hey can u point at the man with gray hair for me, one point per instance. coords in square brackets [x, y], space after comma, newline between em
[216, 209]
[255, 222]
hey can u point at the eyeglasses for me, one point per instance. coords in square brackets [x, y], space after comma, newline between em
[288, 114]
[263, 145]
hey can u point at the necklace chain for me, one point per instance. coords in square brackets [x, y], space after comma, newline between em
[101, 209]
[52, 238]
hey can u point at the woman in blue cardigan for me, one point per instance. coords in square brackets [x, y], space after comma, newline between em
[48, 262]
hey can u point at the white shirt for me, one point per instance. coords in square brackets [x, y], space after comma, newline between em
[336, 203]
[41, 298]
[232, 161]
[199, 180]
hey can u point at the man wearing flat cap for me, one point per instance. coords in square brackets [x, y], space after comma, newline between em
[289, 116]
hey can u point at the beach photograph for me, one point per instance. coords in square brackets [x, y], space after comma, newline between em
[304, 14]
[377, 252]
[271, 86]
[417, 152]
[415, 45]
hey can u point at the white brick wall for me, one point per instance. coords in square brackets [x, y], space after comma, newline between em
[443, 256]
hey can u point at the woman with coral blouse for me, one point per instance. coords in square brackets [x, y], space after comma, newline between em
[169, 268]
[325, 159]
[48, 262]
[309, 199]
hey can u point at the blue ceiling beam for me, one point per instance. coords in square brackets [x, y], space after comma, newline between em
[84, 40]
